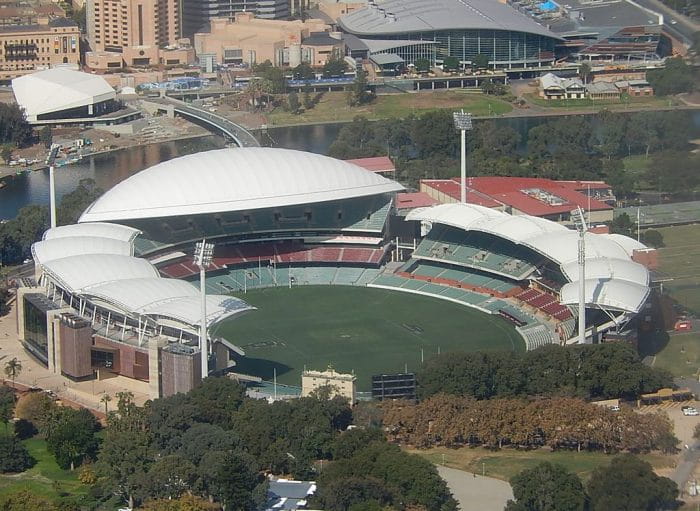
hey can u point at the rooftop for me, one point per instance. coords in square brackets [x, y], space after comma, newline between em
[409, 16]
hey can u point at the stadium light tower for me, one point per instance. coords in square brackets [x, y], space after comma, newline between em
[580, 222]
[463, 123]
[203, 254]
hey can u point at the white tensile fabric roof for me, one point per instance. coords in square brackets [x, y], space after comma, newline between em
[235, 180]
[84, 261]
[607, 255]
[58, 248]
[95, 229]
[78, 273]
[59, 89]
[615, 294]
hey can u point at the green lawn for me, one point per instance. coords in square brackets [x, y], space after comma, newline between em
[636, 164]
[505, 463]
[333, 107]
[681, 356]
[680, 261]
[621, 104]
[45, 478]
[368, 331]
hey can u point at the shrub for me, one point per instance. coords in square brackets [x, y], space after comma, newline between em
[14, 456]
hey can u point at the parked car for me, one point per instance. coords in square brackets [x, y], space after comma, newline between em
[690, 411]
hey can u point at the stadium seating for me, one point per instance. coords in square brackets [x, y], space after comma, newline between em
[458, 276]
[478, 250]
[547, 303]
[536, 336]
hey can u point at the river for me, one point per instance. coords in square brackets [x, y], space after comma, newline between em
[108, 169]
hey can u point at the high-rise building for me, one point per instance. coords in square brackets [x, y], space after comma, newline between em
[196, 14]
[114, 25]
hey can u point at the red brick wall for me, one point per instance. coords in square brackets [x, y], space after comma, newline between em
[128, 365]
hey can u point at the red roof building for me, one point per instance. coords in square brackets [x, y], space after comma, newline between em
[526, 195]
[378, 164]
[414, 200]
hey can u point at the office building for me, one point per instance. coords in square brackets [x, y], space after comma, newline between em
[197, 14]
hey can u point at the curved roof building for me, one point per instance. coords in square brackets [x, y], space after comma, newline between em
[73, 94]
[415, 29]
[233, 192]
[613, 280]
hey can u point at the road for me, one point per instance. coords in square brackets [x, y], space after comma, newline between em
[690, 457]
[683, 29]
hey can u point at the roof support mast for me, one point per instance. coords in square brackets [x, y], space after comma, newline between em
[580, 222]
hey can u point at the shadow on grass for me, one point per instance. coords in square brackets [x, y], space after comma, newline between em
[261, 367]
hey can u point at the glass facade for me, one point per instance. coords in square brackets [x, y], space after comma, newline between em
[503, 48]
[35, 325]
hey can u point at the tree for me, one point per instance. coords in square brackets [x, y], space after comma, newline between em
[585, 72]
[169, 478]
[675, 77]
[34, 407]
[623, 224]
[234, 482]
[422, 65]
[13, 368]
[358, 94]
[74, 203]
[653, 238]
[184, 503]
[46, 136]
[25, 500]
[6, 152]
[14, 456]
[79, 16]
[335, 67]
[293, 103]
[450, 64]
[629, 483]
[547, 487]
[70, 436]
[480, 61]
[14, 129]
[105, 399]
[306, 100]
[273, 79]
[7, 404]
[303, 72]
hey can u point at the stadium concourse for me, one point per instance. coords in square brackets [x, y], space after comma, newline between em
[111, 294]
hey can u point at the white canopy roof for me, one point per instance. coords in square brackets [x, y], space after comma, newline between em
[95, 229]
[234, 180]
[58, 248]
[80, 272]
[615, 280]
[59, 89]
[614, 294]
[219, 307]
[604, 267]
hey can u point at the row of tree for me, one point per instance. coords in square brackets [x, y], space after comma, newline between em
[627, 484]
[559, 423]
[599, 371]
[575, 147]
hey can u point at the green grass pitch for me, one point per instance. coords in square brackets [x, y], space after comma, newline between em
[368, 331]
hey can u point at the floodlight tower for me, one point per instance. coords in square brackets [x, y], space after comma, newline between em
[580, 222]
[463, 123]
[203, 254]
[52, 184]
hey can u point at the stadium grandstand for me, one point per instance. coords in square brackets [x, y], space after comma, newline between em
[522, 268]
[399, 32]
[117, 292]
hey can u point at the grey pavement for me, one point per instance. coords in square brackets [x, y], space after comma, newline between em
[476, 493]
[690, 457]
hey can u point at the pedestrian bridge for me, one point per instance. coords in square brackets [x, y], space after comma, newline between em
[240, 136]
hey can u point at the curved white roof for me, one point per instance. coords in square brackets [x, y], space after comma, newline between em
[615, 280]
[58, 248]
[629, 244]
[57, 89]
[78, 273]
[614, 294]
[186, 309]
[604, 267]
[95, 229]
[135, 295]
[234, 180]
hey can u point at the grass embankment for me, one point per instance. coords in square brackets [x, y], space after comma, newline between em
[368, 331]
[625, 102]
[506, 463]
[45, 478]
[333, 106]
